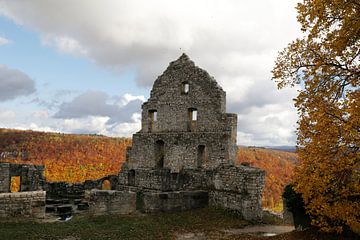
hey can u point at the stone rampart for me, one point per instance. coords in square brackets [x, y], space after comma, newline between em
[111, 202]
[22, 205]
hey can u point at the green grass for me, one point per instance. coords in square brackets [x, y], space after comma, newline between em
[154, 226]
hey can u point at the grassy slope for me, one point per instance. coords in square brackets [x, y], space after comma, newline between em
[208, 222]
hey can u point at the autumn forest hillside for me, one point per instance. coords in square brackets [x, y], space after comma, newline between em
[67, 157]
[76, 158]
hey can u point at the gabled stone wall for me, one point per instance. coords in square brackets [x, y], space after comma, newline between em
[184, 129]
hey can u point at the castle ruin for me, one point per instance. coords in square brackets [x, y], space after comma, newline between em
[184, 155]
[182, 158]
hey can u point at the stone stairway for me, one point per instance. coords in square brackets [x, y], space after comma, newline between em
[65, 207]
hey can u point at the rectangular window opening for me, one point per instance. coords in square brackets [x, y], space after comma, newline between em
[15, 184]
[153, 115]
[185, 88]
[193, 115]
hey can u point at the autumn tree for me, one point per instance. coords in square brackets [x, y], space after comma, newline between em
[325, 63]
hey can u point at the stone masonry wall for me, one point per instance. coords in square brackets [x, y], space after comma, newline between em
[22, 205]
[172, 201]
[238, 188]
[184, 129]
[230, 187]
[172, 103]
[181, 150]
[111, 202]
[31, 176]
[4, 177]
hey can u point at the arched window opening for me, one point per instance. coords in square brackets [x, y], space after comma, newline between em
[106, 185]
[159, 153]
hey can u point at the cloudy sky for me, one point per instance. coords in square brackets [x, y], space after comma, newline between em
[86, 66]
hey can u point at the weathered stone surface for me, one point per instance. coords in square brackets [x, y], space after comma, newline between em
[31, 176]
[22, 205]
[111, 202]
[170, 136]
[172, 201]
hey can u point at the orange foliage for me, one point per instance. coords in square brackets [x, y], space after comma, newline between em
[279, 167]
[67, 157]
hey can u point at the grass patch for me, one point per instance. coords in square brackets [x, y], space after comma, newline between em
[154, 226]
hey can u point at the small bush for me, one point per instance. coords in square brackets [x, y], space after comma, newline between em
[295, 204]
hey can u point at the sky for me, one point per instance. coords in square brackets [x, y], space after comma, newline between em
[86, 66]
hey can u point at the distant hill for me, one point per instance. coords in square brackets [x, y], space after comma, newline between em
[67, 157]
[282, 148]
[279, 166]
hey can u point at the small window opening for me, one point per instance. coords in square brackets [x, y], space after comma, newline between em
[131, 177]
[153, 115]
[106, 185]
[192, 114]
[185, 87]
[15, 184]
[159, 153]
[152, 119]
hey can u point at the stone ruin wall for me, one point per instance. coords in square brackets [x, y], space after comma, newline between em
[30, 201]
[182, 149]
[232, 187]
[31, 176]
[110, 202]
[22, 205]
[167, 122]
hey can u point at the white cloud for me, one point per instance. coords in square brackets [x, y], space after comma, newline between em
[7, 115]
[4, 41]
[41, 114]
[235, 41]
[91, 124]
[125, 129]
[14, 83]
[65, 44]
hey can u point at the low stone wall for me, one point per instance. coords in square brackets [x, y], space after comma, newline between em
[22, 205]
[230, 187]
[238, 188]
[58, 190]
[110, 202]
[171, 201]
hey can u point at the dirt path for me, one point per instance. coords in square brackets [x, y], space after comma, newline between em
[261, 230]
[256, 230]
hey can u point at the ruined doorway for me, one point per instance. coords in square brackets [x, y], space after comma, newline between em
[201, 156]
[15, 184]
[159, 153]
[131, 177]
